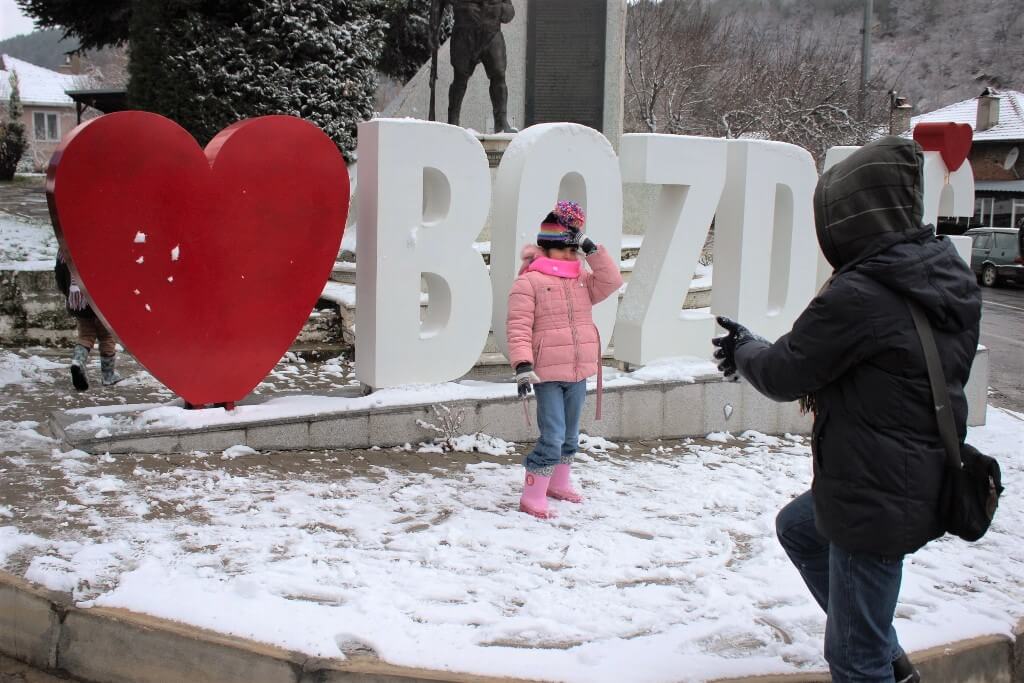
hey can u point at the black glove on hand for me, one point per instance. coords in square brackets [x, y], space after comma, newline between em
[582, 242]
[726, 351]
[526, 378]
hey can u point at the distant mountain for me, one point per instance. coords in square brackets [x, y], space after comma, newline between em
[42, 48]
[106, 67]
[935, 52]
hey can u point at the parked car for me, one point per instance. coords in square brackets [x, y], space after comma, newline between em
[997, 255]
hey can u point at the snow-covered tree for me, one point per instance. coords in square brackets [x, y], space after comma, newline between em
[309, 58]
[13, 141]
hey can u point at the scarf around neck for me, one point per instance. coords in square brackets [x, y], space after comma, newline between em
[549, 266]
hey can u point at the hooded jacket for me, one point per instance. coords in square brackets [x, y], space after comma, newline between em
[878, 459]
[550, 318]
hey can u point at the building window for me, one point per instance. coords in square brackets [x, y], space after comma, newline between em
[984, 207]
[46, 126]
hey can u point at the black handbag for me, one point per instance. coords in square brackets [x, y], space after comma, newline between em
[972, 482]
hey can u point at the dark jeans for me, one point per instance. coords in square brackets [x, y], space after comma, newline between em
[559, 406]
[857, 591]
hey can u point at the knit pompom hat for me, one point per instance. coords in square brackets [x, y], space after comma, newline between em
[554, 231]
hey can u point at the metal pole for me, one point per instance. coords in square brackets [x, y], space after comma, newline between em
[435, 38]
[865, 58]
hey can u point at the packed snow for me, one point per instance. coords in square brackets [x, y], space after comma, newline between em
[669, 571]
[24, 242]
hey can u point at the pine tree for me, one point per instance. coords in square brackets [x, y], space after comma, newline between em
[407, 39]
[13, 141]
[308, 58]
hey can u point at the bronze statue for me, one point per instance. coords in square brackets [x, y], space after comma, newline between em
[476, 38]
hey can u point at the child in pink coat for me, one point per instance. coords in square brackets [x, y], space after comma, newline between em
[555, 346]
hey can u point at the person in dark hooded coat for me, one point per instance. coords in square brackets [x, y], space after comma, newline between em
[855, 358]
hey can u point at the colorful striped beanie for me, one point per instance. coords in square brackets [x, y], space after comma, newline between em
[554, 231]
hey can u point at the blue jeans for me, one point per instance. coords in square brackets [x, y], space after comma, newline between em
[559, 406]
[857, 591]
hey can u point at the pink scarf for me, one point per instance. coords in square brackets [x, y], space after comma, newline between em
[549, 266]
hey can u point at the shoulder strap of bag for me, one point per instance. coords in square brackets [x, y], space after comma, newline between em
[940, 392]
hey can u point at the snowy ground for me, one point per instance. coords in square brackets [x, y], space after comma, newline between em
[669, 572]
[24, 241]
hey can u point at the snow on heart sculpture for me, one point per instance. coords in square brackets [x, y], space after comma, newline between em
[207, 263]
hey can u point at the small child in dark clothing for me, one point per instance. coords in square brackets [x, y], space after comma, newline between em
[90, 330]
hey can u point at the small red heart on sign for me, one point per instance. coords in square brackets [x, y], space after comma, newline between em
[205, 265]
[951, 140]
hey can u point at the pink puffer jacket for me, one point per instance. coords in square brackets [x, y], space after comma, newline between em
[550, 321]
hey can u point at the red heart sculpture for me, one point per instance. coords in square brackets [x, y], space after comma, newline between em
[205, 265]
[951, 140]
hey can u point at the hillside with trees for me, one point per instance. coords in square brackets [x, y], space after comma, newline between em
[790, 70]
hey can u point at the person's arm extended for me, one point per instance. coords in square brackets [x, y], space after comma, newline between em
[832, 334]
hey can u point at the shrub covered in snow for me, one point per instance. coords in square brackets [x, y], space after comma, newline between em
[307, 58]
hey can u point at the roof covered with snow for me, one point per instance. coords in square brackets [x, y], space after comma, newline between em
[38, 85]
[1011, 117]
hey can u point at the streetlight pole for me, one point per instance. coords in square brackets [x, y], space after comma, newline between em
[865, 58]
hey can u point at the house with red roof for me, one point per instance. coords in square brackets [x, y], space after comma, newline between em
[997, 154]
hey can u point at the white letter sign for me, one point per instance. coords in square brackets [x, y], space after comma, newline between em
[425, 192]
[546, 163]
[766, 249]
[691, 175]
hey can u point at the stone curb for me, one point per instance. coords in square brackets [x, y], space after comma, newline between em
[652, 410]
[107, 645]
[986, 659]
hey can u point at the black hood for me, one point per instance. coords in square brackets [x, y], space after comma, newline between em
[869, 201]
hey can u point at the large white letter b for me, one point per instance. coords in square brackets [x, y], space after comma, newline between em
[425, 192]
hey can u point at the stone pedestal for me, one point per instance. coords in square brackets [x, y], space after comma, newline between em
[495, 146]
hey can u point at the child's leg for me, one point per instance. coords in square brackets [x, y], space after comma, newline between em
[80, 354]
[541, 462]
[575, 397]
[551, 422]
[108, 346]
[561, 485]
[87, 332]
[108, 349]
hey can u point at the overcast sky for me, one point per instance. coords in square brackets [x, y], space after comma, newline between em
[12, 21]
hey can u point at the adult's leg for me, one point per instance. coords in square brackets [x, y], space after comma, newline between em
[807, 549]
[495, 62]
[464, 64]
[860, 641]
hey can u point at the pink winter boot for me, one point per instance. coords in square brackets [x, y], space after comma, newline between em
[561, 488]
[534, 501]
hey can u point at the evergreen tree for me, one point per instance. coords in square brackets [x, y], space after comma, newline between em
[407, 39]
[101, 23]
[309, 58]
[13, 141]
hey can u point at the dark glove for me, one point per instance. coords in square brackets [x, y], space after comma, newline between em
[726, 351]
[526, 378]
[580, 241]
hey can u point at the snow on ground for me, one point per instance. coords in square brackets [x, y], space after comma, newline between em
[26, 371]
[670, 571]
[23, 241]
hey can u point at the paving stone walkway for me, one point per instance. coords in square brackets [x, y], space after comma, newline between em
[25, 197]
